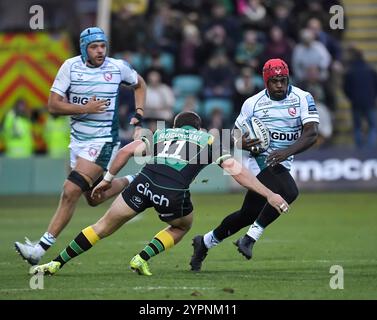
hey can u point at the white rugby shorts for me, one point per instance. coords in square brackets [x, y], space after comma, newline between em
[101, 153]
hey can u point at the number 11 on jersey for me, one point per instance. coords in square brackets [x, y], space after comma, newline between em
[167, 152]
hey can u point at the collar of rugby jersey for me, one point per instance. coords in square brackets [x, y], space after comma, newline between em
[188, 128]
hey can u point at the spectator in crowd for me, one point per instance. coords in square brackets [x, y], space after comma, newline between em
[56, 135]
[215, 39]
[307, 53]
[321, 90]
[325, 127]
[188, 6]
[216, 121]
[253, 13]
[360, 86]
[323, 101]
[246, 84]
[189, 50]
[2, 144]
[281, 16]
[307, 9]
[127, 30]
[218, 77]
[126, 111]
[165, 28]
[220, 16]
[331, 43]
[18, 135]
[191, 104]
[38, 120]
[159, 102]
[249, 50]
[154, 62]
[278, 45]
[134, 7]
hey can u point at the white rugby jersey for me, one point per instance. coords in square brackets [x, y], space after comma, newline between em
[78, 82]
[284, 119]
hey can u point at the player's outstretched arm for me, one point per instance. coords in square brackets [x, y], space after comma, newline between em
[57, 106]
[249, 181]
[117, 185]
[120, 160]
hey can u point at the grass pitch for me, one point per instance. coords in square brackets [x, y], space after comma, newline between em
[292, 260]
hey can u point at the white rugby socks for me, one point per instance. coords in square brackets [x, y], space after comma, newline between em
[255, 231]
[210, 240]
[46, 242]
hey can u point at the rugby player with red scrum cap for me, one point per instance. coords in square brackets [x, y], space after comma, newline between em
[291, 116]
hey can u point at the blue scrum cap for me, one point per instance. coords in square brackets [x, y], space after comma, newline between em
[88, 36]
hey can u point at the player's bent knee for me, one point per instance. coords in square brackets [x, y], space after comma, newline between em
[70, 192]
[184, 224]
[76, 178]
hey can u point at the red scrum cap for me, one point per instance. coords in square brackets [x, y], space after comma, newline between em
[274, 67]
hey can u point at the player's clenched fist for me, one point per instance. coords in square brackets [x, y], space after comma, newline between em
[278, 203]
[100, 188]
[96, 106]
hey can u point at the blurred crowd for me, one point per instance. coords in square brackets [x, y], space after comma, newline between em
[207, 55]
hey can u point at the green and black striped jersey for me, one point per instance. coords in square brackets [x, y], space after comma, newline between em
[181, 153]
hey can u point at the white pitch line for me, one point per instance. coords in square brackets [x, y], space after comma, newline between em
[174, 288]
[25, 289]
[317, 261]
[112, 288]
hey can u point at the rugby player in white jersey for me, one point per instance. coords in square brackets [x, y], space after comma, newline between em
[292, 119]
[86, 88]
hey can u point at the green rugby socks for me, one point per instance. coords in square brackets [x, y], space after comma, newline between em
[83, 242]
[161, 242]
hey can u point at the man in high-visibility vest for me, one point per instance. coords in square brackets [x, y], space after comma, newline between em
[18, 137]
[57, 132]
